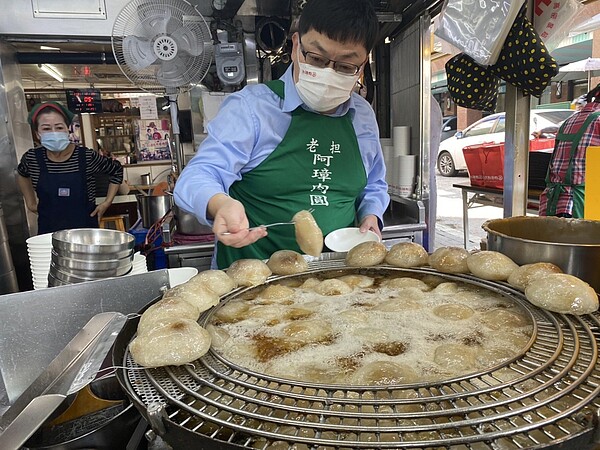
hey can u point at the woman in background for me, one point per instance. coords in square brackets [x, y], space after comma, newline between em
[57, 177]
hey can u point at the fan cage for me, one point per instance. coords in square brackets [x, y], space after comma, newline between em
[546, 396]
[139, 19]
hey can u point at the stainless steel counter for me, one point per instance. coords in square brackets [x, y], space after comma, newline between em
[130, 198]
[37, 325]
[405, 221]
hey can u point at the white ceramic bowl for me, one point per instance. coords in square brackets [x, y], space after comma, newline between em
[344, 239]
[180, 275]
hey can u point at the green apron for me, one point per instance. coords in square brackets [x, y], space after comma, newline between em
[317, 165]
[556, 189]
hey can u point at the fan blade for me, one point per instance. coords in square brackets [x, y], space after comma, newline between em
[156, 20]
[172, 73]
[138, 53]
[188, 41]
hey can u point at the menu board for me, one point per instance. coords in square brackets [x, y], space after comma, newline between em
[84, 100]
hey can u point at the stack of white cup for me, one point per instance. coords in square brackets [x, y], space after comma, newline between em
[39, 249]
[139, 264]
[405, 169]
[387, 147]
[403, 164]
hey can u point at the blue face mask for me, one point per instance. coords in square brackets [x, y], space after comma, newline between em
[55, 141]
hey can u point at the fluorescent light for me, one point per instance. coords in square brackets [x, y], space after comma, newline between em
[45, 47]
[52, 71]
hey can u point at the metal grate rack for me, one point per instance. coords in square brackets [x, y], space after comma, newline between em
[542, 398]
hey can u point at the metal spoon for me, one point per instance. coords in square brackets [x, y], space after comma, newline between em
[226, 233]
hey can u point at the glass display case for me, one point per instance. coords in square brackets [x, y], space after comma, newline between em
[115, 133]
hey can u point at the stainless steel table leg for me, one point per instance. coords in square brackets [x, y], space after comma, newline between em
[465, 217]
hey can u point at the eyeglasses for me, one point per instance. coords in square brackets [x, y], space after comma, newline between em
[314, 59]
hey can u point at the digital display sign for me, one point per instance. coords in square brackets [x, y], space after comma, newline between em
[84, 100]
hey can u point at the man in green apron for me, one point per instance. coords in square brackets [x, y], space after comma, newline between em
[303, 141]
[564, 195]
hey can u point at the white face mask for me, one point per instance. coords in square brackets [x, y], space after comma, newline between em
[55, 141]
[323, 89]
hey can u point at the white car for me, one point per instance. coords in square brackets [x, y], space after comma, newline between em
[450, 158]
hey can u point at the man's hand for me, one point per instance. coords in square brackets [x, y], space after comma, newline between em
[370, 222]
[230, 216]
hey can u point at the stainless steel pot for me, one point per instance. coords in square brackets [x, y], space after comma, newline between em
[188, 224]
[153, 208]
[571, 244]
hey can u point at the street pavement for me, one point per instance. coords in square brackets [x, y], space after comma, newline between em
[449, 224]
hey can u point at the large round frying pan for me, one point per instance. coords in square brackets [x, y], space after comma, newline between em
[560, 362]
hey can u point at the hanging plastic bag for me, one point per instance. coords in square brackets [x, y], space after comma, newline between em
[553, 19]
[471, 85]
[478, 28]
[524, 60]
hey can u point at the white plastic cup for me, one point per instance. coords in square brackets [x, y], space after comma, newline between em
[386, 141]
[401, 139]
[405, 190]
[388, 159]
[404, 171]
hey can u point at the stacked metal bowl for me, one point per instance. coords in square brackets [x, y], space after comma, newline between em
[88, 254]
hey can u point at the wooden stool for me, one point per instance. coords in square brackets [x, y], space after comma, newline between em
[113, 222]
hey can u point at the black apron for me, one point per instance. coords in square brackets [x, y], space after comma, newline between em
[63, 202]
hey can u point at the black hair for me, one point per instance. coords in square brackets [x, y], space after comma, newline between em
[594, 95]
[343, 21]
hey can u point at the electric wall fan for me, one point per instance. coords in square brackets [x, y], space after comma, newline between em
[163, 47]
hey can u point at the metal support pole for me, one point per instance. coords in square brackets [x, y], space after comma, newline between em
[516, 152]
[178, 151]
[516, 147]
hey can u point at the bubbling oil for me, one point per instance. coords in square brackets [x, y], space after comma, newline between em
[396, 330]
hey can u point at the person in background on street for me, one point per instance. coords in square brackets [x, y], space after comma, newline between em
[57, 177]
[565, 182]
[579, 102]
[303, 141]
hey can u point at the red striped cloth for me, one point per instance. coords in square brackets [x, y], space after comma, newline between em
[560, 158]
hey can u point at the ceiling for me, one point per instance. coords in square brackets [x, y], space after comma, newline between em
[79, 74]
[79, 60]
